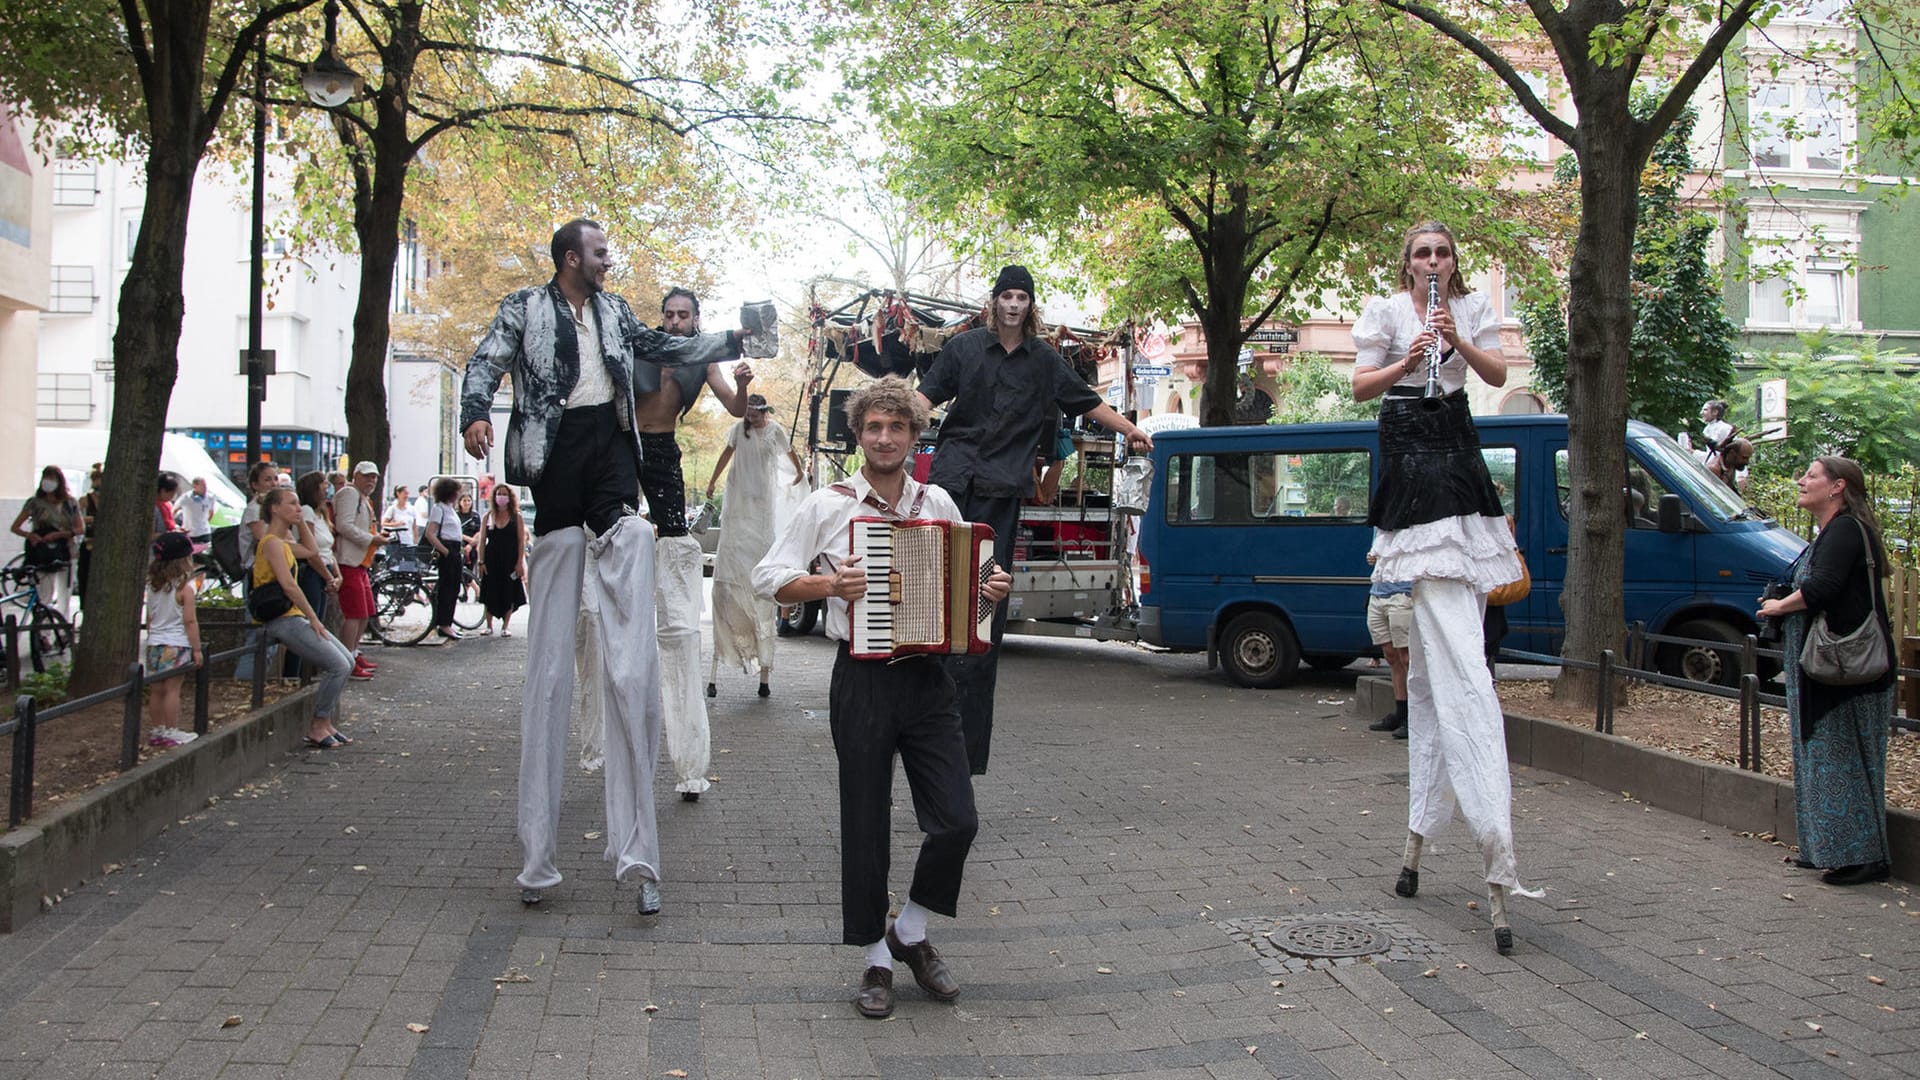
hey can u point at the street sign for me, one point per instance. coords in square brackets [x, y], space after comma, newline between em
[266, 361]
[1770, 404]
[1152, 369]
[1273, 336]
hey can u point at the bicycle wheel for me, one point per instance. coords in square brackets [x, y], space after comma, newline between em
[468, 613]
[52, 636]
[400, 616]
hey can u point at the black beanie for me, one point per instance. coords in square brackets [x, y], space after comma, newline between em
[1013, 277]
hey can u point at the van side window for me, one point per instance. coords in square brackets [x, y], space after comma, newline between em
[1503, 464]
[1642, 497]
[1319, 486]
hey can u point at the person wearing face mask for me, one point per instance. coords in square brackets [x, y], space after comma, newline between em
[501, 564]
[48, 523]
[1438, 523]
[1004, 388]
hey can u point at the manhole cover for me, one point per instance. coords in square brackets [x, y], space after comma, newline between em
[1326, 939]
[1316, 941]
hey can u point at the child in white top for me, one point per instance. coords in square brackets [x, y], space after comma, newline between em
[173, 631]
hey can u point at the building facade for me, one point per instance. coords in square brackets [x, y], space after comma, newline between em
[26, 192]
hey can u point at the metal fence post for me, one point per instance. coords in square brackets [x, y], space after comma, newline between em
[1753, 755]
[12, 630]
[130, 720]
[1603, 700]
[1750, 656]
[260, 669]
[20, 805]
[202, 686]
[1749, 709]
[1637, 645]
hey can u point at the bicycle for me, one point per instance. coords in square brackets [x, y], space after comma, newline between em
[48, 632]
[403, 598]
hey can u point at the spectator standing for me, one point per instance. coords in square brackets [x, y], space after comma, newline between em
[319, 574]
[193, 514]
[398, 519]
[298, 627]
[1839, 732]
[166, 489]
[48, 523]
[89, 513]
[469, 541]
[262, 477]
[444, 536]
[173, 631]
[502, 565]
[355, 542]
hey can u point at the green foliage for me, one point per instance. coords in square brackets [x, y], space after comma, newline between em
[1224, 159]
[1683, 345]
[1312, 391]
[47, 687]
[1859, 405]
[1895, 495]
[220, 598]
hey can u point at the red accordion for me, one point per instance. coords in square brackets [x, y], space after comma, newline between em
[924, 581]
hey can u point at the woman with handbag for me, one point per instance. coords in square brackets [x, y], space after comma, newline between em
[1438, 523]
[277, 603]
[49, 522]
[1839, 673]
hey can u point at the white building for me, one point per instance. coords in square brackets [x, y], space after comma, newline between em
[25, 193]
[308, 318]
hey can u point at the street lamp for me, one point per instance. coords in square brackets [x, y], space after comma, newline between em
[329, 84]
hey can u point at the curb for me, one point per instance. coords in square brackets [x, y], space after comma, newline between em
[1702, 790]
[66, 846]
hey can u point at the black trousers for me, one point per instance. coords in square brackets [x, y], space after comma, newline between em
[446, 590]
[878, 709]
[591, 476]
[975, 675]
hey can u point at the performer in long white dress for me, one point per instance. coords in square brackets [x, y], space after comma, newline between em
[766, 479]
[1439, 524]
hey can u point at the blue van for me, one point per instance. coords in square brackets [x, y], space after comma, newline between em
[1254, 543]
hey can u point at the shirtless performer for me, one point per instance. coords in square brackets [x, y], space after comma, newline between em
[663, 396]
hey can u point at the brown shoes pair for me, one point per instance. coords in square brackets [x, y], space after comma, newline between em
[875, 999]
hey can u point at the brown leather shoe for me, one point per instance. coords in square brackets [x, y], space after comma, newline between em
[875, 999]
[928, 969]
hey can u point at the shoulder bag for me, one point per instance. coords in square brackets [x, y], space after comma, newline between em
[1516, 590]
[268, 602]
[1853, 659]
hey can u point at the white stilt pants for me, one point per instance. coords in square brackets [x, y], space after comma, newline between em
[1457, 738]
[616, 579]
[677, 600]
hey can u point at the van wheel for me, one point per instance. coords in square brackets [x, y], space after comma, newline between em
[1259, 651]
[1699, 663]
[796, 620]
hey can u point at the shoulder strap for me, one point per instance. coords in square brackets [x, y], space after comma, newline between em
[1873, 571]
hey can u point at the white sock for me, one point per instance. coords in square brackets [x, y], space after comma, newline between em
[878, 956]
[911, 926]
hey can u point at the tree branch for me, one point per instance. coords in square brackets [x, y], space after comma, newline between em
[1706, 60]
[1535, 108]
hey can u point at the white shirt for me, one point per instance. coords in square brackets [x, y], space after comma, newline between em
[1386, 329]
[822, 526]
[595, 386]
[195, 510]
[247, 541]
[446, 522]
[322, 534]
[399, 521]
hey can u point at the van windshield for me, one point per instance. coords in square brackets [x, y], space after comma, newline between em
[1702, 488]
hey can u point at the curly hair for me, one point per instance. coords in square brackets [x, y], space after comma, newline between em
[890, 395]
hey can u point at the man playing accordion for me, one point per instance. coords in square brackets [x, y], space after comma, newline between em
[882, 707]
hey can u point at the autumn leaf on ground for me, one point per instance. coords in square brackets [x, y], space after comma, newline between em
[417, 1028]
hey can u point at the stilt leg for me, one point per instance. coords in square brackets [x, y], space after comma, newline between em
[1502, 932]
[1409, 883]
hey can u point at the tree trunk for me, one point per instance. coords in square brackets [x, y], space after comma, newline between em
[380, 192]
[1225, 259]
[1599, 333]
[145, 365]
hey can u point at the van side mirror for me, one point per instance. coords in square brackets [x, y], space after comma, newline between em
[1673, 514]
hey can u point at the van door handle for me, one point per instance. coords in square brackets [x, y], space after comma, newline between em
[1556, 551]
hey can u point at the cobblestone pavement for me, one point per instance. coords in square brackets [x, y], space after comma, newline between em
[1147, 834]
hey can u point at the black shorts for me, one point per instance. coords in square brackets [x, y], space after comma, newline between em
[660, 478]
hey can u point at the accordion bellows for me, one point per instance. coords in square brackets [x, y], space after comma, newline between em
[924, 581]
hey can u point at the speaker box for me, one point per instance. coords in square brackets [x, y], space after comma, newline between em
[837, 429]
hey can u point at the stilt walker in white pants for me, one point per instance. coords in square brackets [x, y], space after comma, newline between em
[574, 353]
[1439, 523]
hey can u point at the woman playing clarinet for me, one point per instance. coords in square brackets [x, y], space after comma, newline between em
[1438, 524]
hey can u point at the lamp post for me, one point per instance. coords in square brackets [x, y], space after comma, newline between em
[329, 84]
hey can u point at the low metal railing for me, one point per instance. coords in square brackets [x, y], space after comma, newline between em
[28, 717]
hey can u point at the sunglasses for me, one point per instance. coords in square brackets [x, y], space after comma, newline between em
[1437, 253]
